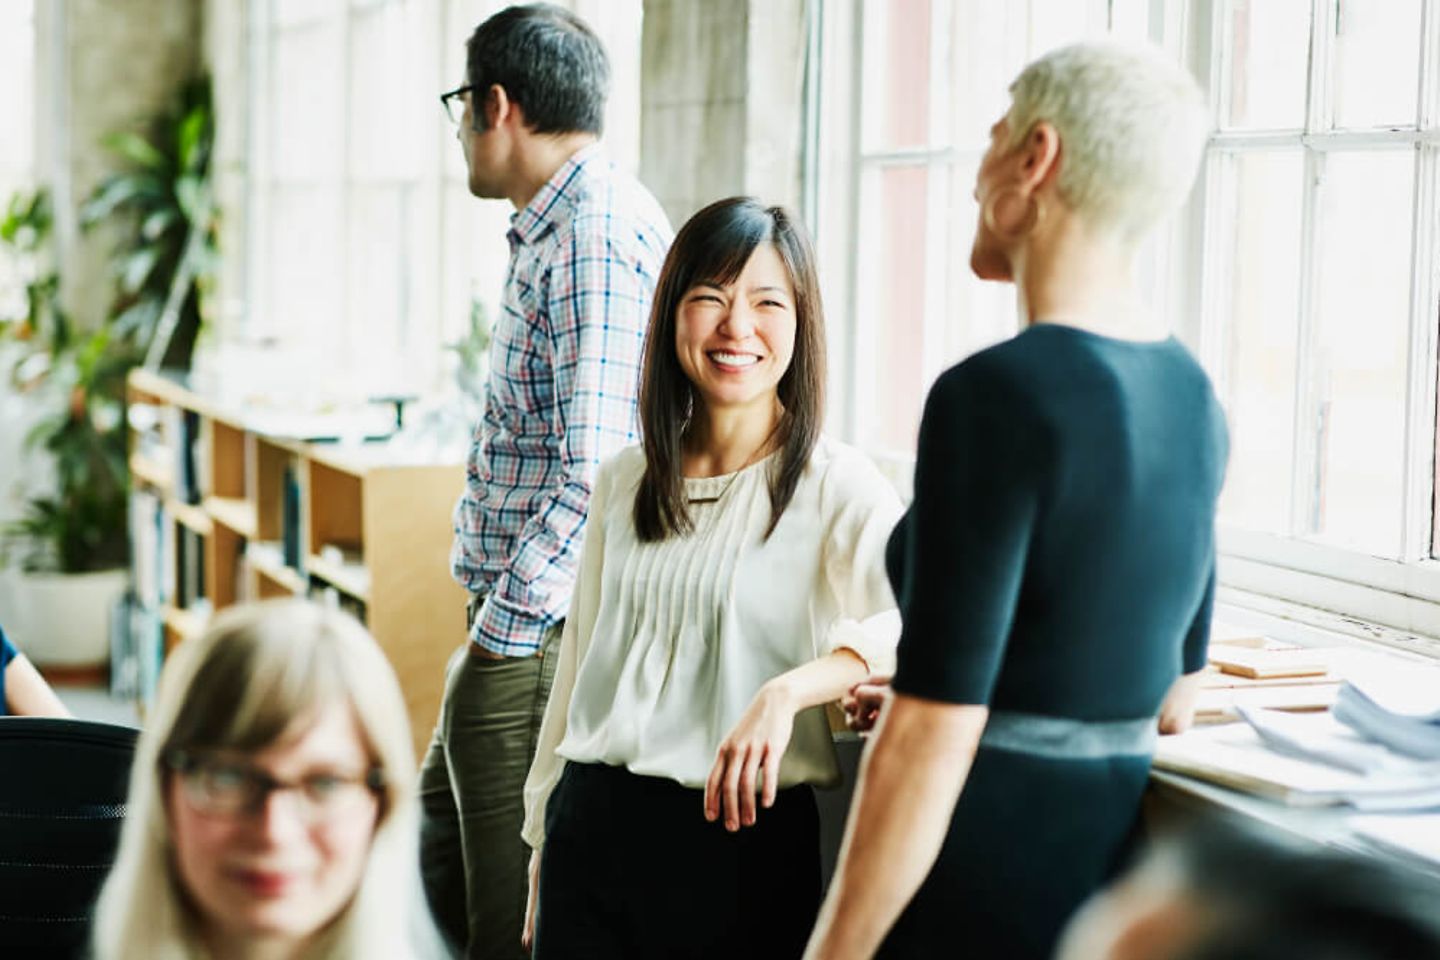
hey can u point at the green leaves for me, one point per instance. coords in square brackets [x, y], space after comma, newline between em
[156, 203]
[27, 221]
[139, 151]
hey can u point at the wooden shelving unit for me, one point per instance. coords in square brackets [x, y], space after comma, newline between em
[230, 514]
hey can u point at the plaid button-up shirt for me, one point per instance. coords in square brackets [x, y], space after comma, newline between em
[585, 255]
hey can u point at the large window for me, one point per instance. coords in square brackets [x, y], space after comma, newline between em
[366, 248]
[908, 91]
[1319, 310]
[17, 119]
[1305, 272]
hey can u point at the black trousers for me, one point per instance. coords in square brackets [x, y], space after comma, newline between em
[631, 868]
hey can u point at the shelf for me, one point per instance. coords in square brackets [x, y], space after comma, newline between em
[191, 517]
[350, 578]
[267, 560]
[233, 513]
[150, 472]
[186, 625]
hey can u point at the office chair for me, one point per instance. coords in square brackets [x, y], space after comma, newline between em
[63, 785]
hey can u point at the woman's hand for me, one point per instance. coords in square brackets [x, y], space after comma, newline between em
[1178, 710]
[527, 935]
[753, 748]
[862, 704]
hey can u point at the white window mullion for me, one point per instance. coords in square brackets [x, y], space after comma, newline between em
[350, 334]
[1420, 521]
[1429, 99]
[937, 189]
[1419, 476]
[1217, 266]
[1306, 475]
[258, 312]
[860, 381]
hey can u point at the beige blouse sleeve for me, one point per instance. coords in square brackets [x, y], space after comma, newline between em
[864, 508]
[545, 770]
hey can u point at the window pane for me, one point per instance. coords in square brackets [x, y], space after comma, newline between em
[1360, 384]
[476, 255]
[307, 102]
[304, 267]
[379, 272]
[389, 115]
[1056, 23]
[979, 313]
[1260, 230]
[17, 119]
[285, 13]
[1377, 62]
[897, 75]
[1269, 47]
[890, 314]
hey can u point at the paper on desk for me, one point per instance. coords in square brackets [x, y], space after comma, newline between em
[1235, 756]
[1413, 694]
[1323, 739]
[1408, 729]
[1415, 835]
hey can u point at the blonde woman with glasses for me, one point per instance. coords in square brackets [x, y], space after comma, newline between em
[272, 807]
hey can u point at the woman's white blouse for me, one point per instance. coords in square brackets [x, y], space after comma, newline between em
[667, 643]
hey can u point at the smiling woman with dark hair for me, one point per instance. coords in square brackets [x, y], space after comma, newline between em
[731, 583]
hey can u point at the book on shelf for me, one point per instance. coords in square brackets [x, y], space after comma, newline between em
[190, 559]
[148, 633]
[184, 427]
[291, 519]
[147, 528]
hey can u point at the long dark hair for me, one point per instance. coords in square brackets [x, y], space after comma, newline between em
[713, 247]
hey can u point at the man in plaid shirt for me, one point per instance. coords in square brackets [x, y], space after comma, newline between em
[586, 246]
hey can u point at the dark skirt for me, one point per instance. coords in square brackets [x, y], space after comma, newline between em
[632, 869]
[1031, 839]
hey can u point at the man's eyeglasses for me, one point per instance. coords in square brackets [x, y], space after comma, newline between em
[220, 786]
[454, 103]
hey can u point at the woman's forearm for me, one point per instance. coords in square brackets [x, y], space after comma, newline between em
[27, 693]
[820, 681]
[910, 778]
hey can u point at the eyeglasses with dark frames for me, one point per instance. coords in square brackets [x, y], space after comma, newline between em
[221, 786]
[454, 103]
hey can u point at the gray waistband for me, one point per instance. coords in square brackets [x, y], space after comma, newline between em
[1064, 738]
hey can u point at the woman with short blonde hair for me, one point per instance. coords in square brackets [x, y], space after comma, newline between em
[1056, 568]
[272, 803]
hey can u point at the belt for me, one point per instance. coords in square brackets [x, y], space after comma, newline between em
[1064, 738]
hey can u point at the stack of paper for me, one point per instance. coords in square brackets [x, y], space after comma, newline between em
[1405, 718]
[1302, 760]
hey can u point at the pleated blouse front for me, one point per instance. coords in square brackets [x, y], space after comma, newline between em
[667, 643]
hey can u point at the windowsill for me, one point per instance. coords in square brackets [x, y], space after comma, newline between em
[1311, 626]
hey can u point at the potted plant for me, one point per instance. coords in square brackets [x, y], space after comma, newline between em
[71, 543]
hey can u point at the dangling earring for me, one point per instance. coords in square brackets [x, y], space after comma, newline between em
[1037, 215]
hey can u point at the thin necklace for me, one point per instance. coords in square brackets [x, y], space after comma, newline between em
[730, 480]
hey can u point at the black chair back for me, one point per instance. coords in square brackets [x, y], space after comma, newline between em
[62, 801]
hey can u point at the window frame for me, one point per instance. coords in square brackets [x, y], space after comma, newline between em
[1392, 601]
[1302, 582]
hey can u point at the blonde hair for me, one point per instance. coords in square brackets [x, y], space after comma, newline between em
[1132, 126]
[255, 673]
